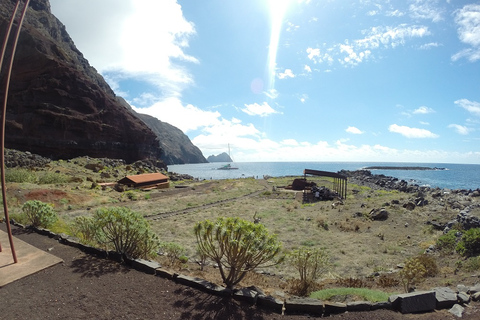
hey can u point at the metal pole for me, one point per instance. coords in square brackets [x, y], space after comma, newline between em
[4, 48]
[4, 116]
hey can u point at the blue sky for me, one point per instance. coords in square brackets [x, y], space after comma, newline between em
[295, 80]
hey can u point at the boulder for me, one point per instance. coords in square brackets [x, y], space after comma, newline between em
[379, 214]
[457, 310]
[297, 305]
[414, 302]
[445, 297]
[334, 308]
[359, 306]
[409, 206]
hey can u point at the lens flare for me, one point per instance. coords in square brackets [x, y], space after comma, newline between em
[278, 9]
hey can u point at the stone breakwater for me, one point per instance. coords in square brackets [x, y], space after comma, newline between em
[380, 181]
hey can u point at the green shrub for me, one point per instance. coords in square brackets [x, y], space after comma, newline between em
[310, 263]
[125, 231]
[237, 246]
[39, 214]
[51, 178]
[469, 244]
[172, 250]
[447, 242]
[20, 175]
[472, 264]
[86, 230]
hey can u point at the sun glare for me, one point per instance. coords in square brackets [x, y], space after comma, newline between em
[277, 9]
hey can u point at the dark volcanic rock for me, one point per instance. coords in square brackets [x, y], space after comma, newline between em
[59, 106]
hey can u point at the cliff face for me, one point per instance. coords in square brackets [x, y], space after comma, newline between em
[61, 107]
[176, 146]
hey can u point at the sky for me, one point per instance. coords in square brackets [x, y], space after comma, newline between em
[295, 80]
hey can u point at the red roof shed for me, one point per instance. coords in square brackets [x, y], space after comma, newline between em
[147, 180]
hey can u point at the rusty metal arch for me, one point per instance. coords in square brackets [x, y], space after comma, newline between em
[4, 111]
[339, 181]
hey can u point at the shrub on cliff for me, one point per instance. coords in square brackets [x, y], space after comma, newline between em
[39, 214]
[237, 246]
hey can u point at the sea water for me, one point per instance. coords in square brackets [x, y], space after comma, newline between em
[454, 176]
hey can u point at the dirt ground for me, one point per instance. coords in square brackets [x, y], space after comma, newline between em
[86, 287]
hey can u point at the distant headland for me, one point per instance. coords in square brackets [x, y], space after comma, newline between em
[402, 168]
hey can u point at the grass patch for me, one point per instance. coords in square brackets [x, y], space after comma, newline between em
[363, 293]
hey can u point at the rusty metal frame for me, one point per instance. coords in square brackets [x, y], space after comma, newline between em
[339, 181]
[5, 99]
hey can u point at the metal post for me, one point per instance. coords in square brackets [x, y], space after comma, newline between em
[4, 114]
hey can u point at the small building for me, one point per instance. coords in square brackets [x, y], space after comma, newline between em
[146, 181]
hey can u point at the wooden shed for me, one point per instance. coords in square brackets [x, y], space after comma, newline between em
[146, 181]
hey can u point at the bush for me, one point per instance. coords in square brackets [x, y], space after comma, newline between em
[447, 242]
[172, 250]
[126, 231]
[469, 244]
[39, 214]
[86, 230]
[429, 263]
[310, 263]
[52, 178]
[20, 176]
[387, 281]
[237, 246]
[412, 273]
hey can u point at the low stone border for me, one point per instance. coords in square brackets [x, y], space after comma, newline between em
[414, 302]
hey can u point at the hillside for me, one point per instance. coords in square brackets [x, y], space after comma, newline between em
[61, 107]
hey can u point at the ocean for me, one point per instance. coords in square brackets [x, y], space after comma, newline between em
[455, 176]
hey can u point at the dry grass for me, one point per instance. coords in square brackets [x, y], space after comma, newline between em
[357, 245]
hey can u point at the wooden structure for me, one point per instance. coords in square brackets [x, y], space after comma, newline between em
[146, 181]
[339, 181]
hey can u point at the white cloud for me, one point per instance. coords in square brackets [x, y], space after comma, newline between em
[411, 132]
[391, 36]
[288, 73]
[317, 56]
[468, 28]
[303, 98]
[354, 130]
[186, 118]
[144, 39]
[292, 27]
[261, 110]
[289, 142]
[307, 68]
[429, 45]
[471, 106]
[352, 57]
[460, 129]
[426, 9]
[395, 13]
[272, 93]
[423, 110]
[357, 51]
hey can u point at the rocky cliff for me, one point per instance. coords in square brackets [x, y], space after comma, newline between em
[61, 107]
[176, 146]
[222, 157]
